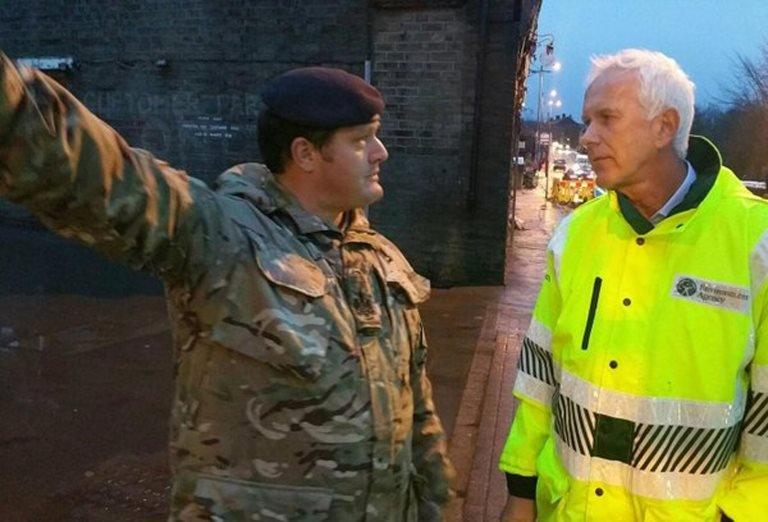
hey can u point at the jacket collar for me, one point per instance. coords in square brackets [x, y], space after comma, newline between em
[254, 182]
[706, 160]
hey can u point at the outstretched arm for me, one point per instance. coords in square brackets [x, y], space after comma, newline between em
[81, 179]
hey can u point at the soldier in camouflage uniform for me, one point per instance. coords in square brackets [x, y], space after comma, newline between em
[300, 385]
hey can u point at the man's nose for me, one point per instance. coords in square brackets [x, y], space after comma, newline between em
[587, 137]
[378, 152]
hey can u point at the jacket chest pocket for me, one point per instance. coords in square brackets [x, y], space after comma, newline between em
[380, 284]
[275, 311]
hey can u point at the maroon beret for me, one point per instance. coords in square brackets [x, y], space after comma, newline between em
[322, 97]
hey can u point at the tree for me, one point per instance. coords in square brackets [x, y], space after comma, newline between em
[741, 128]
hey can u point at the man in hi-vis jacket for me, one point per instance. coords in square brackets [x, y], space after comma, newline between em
[643, 378]
[300, 385]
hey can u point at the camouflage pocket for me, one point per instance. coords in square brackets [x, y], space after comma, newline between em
[231, 499]
[399, 273]
[271, 309]
[414, 287]
[290, 270]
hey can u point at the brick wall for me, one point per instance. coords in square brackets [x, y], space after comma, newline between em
[427, 62]
[200, 111]
[181, 78]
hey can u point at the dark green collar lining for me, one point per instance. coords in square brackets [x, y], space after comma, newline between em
[706, 161]
[636, 220]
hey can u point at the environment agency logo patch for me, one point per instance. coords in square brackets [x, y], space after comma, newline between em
[686, 287]
[711, 293]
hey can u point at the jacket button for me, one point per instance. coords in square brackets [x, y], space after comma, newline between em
[613, 364]
[640, 241]
[627, 301]
[599, 492]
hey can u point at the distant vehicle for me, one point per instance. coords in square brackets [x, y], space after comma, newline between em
[572, 189]
[580, 170]
[583, 161]
[559, 164]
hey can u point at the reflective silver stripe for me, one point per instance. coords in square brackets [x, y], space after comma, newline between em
[665, 486]
[754, 447]
[652, 410]
[540, 334]
[557, 243]
[760, 378]
[533, 388]
[758, 264]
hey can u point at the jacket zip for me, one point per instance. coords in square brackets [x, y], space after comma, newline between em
[592, 309]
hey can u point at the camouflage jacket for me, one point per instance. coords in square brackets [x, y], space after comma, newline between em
[300, 385]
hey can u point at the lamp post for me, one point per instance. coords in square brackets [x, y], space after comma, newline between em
[553, 102]
[547, 64]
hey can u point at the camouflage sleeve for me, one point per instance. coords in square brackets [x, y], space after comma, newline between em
[79, 178]
[434, 472]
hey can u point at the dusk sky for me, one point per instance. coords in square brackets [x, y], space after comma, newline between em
[704, 36]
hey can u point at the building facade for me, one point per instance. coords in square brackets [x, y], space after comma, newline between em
[182, 79]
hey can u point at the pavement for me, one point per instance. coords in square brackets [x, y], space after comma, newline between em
[85, 387]
[486, 406]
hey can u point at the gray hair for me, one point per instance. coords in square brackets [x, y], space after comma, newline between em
[663, 85]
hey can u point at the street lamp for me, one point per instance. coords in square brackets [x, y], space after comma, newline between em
[553, 103]
[547, 64]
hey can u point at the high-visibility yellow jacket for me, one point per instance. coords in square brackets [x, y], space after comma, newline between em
[643, 378]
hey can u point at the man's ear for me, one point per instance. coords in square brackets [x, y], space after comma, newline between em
[304, 154]
[667, 124]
